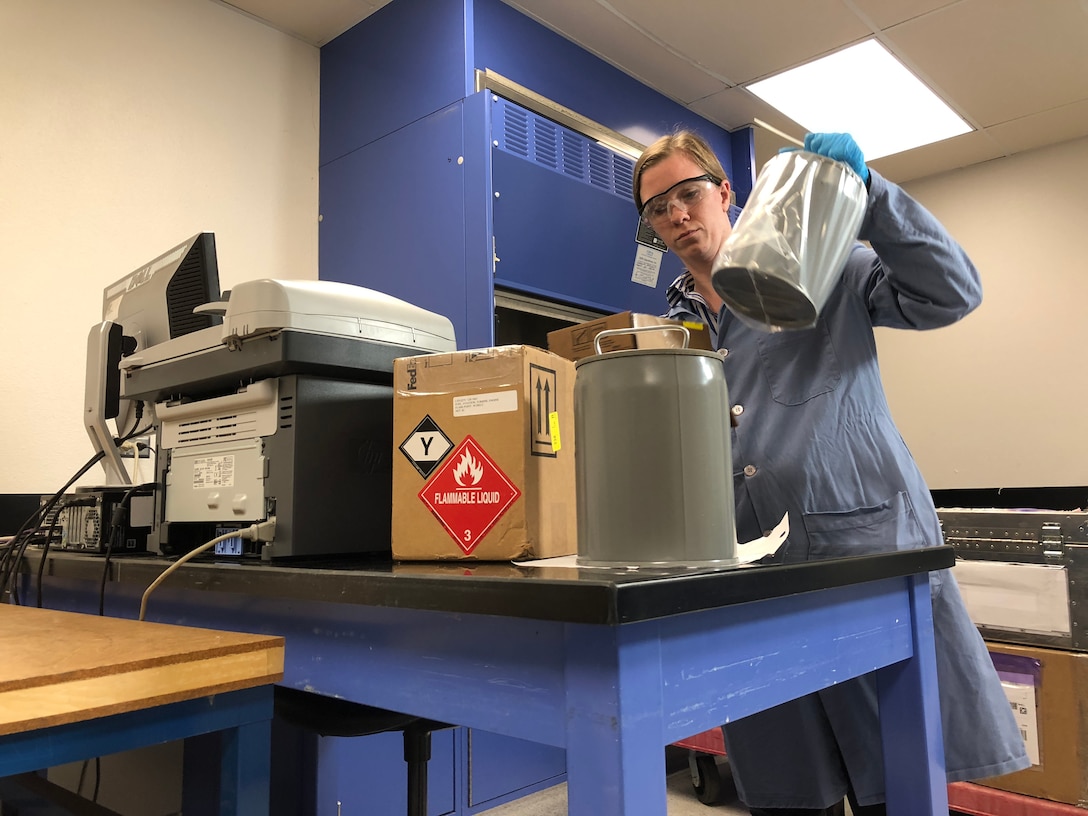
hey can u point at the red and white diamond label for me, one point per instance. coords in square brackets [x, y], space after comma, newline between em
[468, 494]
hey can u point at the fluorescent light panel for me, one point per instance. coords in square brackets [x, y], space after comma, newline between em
[864, 91]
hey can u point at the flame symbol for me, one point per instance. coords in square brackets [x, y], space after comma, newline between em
[468, 466]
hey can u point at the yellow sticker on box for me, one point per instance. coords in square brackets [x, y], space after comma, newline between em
[553, 426]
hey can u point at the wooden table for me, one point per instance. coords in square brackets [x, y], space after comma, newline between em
[76, 686]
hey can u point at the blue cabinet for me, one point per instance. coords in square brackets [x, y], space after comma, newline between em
[503, 768]
[368, 775]
[469, 771]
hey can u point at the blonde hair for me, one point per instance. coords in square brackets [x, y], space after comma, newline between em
[682, 141]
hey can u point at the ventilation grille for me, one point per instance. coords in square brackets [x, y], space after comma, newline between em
[224, 428]
[287, 412]
[526, 134]
[194, 282]
[82, 528]
[52, 524]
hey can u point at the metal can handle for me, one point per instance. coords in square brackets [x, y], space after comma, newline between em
[636, 329]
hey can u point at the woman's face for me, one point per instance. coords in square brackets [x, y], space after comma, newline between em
[694, 232]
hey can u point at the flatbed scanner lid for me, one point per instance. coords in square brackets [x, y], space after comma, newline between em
[335, 329]
[259, 307]
[328, 307]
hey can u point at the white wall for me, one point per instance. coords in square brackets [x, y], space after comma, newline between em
[1001, 398]
[125, 127]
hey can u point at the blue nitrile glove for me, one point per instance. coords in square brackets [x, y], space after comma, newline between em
[840, 147]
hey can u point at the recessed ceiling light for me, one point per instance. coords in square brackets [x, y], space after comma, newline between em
[864, 91]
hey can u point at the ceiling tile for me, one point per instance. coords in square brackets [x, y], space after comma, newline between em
[679, 80]
[312, 22]
[1049, 127]
[938, 157]
[595, 29]
[738, 40]
[735, 107]
[886, 13]
[998, 60]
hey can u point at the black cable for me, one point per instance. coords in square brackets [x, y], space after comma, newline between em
[105, 572]
[97, 778]
[116, 517]
[144, 431]
[136, 424]
[14, 552]
[82, 776]
[13, 555]
[13, 544]
[45, 551]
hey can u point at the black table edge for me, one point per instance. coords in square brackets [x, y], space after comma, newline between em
[570, 595]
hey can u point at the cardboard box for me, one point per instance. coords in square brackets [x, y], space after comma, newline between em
[484, 461]
[576, 342]
[1045, 689]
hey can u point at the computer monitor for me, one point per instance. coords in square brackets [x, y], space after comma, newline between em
[149, 306]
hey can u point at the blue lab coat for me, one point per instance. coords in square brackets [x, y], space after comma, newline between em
[816, 438]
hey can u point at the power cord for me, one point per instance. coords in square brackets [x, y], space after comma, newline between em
[117, 518]
[137, 468]
[50, 535]
[13, 555]
[133, 434]
[97, 777]
[265, 531]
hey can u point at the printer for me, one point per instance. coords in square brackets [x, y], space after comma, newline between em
[286, 411]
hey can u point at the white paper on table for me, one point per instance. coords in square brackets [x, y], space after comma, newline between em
[746, 553]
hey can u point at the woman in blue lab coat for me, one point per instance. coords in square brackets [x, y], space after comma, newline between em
[815, 437]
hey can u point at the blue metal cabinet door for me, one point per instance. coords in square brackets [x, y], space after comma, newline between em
[410, 215]
[393, 217]
[503, 768]
[401, 64]
[564, 219]
[368, 775]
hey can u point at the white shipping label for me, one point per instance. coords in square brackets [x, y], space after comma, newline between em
[497, 402]
[1021, 698]
[647, 266]
[213, 471]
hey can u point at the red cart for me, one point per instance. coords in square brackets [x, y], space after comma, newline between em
[705, 777]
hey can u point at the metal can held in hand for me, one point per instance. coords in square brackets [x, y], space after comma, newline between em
[790, 243]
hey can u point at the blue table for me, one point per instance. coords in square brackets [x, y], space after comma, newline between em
[609, 665]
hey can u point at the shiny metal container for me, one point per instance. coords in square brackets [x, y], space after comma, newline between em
[788, 248]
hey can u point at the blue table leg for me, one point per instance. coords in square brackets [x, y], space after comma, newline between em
[246, 770]
[615, 749]
[913, 745]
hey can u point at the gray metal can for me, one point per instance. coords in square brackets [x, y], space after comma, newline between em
[653, 458]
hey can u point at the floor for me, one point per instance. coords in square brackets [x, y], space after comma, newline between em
[681, 798]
